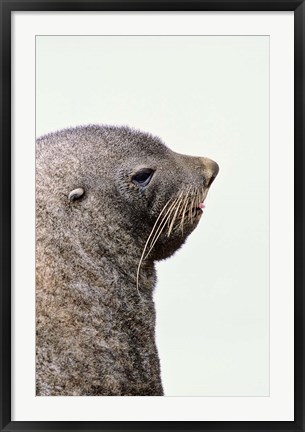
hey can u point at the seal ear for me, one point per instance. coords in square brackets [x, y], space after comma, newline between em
[76, 194]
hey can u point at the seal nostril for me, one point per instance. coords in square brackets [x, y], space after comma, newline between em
[211, 180]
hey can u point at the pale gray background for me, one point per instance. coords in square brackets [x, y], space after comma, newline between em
[207, 96]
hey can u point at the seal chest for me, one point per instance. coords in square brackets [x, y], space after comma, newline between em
[110, 202]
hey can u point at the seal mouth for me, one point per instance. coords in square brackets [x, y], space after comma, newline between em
[197, 211]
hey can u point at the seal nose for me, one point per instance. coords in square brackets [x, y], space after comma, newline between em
[211, 170]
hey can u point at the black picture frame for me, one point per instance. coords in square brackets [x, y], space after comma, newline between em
[6, 8]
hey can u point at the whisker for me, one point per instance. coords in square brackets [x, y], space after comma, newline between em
[203, 195]
[168, 220]
[175, 215]
[191, 207]
[161, 226]
[147, 241]
[184, 209]
[197, 197]
[185, 199]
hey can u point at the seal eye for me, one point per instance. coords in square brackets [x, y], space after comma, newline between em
[143, 177]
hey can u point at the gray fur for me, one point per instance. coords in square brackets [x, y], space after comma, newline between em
[95, 333]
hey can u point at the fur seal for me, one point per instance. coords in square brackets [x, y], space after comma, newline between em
[110, 201]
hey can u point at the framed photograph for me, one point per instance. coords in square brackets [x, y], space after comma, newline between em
[152, 215]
